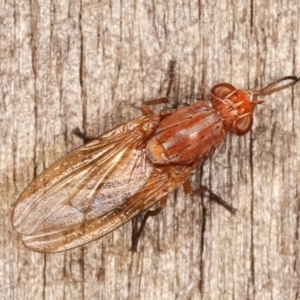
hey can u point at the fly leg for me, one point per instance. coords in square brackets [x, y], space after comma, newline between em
[137, 232]
[83, 136]
[145, 106]
[189, 190]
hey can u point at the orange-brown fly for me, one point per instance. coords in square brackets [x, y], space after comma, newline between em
[103, 184]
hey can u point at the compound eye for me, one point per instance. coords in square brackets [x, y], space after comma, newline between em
[222, 90]
[243, 125]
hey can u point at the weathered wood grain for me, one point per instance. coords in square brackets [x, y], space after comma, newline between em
[85, 64]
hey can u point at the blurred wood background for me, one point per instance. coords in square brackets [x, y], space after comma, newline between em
[67, 64]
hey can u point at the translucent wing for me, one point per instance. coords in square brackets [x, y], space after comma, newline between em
[89, 229]
[92, 190]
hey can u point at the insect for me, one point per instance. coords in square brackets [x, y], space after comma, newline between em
[103, 184]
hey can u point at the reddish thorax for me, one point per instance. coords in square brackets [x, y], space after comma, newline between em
[187, 136]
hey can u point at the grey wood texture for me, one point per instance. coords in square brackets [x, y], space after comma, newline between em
[86, 64]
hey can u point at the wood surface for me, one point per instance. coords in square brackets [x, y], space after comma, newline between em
[87, 64]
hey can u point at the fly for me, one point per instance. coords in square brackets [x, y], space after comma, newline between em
[108, 181]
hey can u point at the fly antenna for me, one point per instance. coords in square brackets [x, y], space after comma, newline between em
[273, 87]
